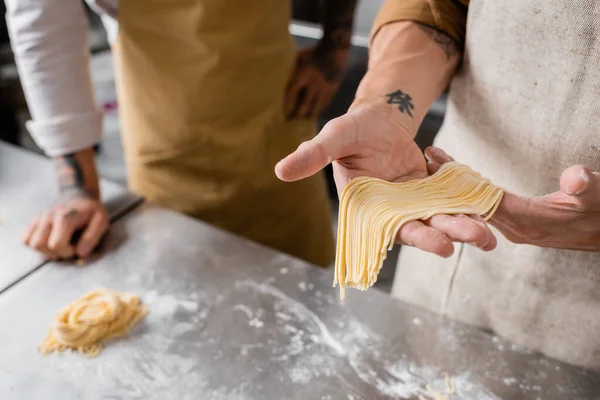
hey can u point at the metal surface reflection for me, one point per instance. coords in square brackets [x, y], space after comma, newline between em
[27, 187]
[230, 319]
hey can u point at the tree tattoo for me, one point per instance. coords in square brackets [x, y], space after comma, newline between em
[402, 100]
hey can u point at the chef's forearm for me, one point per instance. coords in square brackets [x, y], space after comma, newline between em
[77, 175]
[337, 24]
[410, 65]
[50, 43]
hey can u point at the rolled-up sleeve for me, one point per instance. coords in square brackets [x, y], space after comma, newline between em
[448, 16]
[50, 42]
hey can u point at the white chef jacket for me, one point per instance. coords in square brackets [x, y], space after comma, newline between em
[50, 42]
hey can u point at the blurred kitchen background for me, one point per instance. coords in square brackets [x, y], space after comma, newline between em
[304, 27]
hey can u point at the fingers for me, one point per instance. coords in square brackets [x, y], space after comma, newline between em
[39, 237]
[580, 182]
[575, 180]
[432, 168]
[307, 101]
[299, 99]
[332, 143]
[93, 233]
[306, 104]
[64, 225]
[323, 101]
[426, 238]
[28, 233]
[437, 155]
[464, 229]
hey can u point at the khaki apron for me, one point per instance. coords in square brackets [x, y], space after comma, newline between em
[201, 87]
[524, 106]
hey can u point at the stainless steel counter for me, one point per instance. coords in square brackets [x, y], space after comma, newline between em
[233, 320]
[27, 187]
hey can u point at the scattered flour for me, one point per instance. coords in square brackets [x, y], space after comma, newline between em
[509, 381]
[357, 347]
[256, 323]
[300, 375]
[165, 305]
[245, 309]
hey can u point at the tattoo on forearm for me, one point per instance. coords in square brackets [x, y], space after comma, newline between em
[337, 32]
[442, 40]
[402, 100]
[70, 177]
[337, 23]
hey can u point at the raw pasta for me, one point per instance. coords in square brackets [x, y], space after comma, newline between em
[372, 211]
[91, 320]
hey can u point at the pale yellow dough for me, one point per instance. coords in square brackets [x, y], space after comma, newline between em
[91, 320]
[372, 211]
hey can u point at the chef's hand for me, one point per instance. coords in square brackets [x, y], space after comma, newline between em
[368, 142]
[316, 79]
[566, 219]
[78, 209]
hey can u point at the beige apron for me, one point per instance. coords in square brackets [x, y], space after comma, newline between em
[201, 87]
[524, 106]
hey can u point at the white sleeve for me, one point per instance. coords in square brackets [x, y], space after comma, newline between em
[50, 43]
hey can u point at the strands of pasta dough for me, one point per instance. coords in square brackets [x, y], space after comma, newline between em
[372, 211]
[91, 320]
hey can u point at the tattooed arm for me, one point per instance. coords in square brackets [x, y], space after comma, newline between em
[319, 69]
[78, 210]
[409, 67]
[77, 177]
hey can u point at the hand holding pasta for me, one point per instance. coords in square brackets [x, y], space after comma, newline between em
[372, 211]
[566, 219]
[368, 141]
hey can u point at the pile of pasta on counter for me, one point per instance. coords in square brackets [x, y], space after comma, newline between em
[95, 318]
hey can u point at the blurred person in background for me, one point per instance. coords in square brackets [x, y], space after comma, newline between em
[211, 95]
[523, 111]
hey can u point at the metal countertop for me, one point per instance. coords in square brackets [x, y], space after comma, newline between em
[27, 187]
[230, 319]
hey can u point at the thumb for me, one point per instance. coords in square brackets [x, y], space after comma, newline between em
[579, 181]
[332, 143]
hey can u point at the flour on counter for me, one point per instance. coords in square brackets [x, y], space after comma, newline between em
[300, 311]
[245, 309]
[509, 381]
[353, 347]
[163, 305]
[256, 323]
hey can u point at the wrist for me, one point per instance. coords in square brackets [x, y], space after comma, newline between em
[389, 112]
[77, 175]
[328, 45]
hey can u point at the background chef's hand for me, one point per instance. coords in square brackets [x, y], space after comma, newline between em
[51, 233]
[315, 81]
[367, 141]
[79, 208]
[566, 219]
